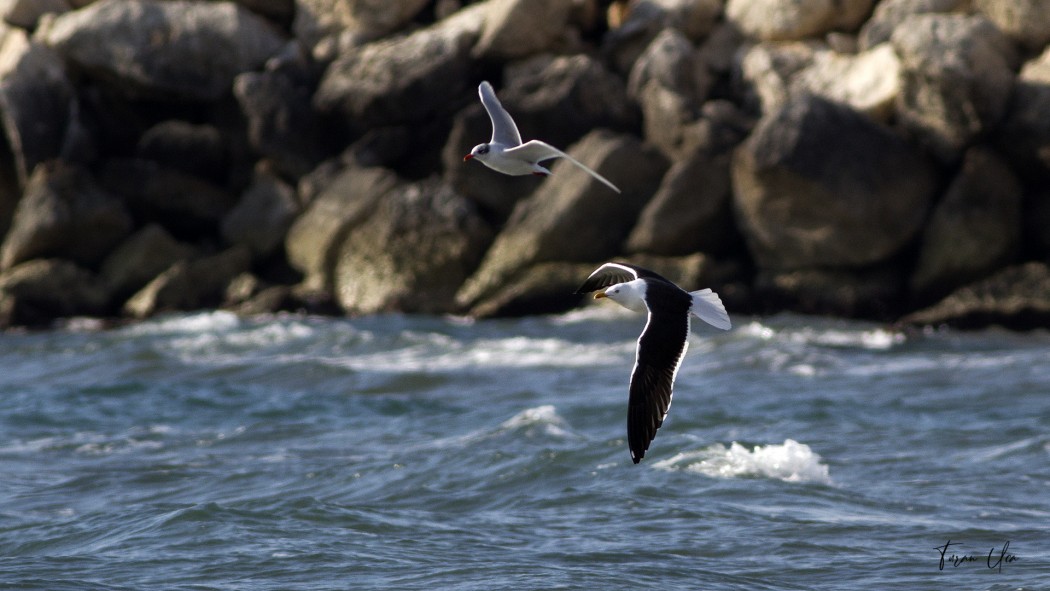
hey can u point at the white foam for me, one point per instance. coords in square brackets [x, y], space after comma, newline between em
[545, 417]
[218, 320]
[876, 339]
[791, 462]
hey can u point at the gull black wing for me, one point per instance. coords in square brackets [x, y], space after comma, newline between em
[613, 273]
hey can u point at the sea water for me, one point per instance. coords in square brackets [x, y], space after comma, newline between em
[211, 452]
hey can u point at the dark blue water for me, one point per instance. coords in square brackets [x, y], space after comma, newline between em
[209, 452]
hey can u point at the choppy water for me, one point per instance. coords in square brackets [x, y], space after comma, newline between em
[209, 452]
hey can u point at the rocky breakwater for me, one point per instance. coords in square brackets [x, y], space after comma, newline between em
[885, 159]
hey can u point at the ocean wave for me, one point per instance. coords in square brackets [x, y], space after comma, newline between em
[791, 462]
[875, 338]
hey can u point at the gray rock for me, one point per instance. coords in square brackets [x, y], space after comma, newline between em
[383, 83]
[974, 230]
[541, 288]
[788, 20]
[189, 285]
[205, 45]
[873, 292]
[38, 291]
[195, 149]
[282, 124]
[364, 19]
[1017, 297]
[819, 185]
[261, 219]
[26, 13]
[519, 28]
[140, 258]
[37, 101]
[572, 217]
[64, 214]
[691, 211]
[643, 20]
[1025, 21]
[669, 82]
[957, 76]
[412, 253]
[1024, 133]
[315, 238]
[180, 202]
[889, 14]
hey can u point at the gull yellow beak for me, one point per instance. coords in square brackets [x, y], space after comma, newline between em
[599, 295]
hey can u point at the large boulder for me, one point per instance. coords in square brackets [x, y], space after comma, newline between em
[388, 82]
[1024, 133]
[974, 230]
[889, 14]
[634, 24]
[38, 291]
[314, 240]
[867, 81]
[140, 258]
[362, 19]
[957, 76]
[190, 285]
[572, 217]
[1025, 21]
[412, 253]
[519, 28]
[38, 104]
[873, 292]
[819, 185]
[179, 49]
[1017, 297]
[27, 13]
[64, 214]
[261, 219]
[691, 211]
[787, 20]
[669, 82]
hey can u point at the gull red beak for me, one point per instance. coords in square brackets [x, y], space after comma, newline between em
[467, 157]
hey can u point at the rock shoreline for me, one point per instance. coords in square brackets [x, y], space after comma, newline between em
[878, 159]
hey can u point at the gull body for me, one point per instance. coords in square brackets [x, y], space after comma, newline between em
[662, 344]
[506, 153]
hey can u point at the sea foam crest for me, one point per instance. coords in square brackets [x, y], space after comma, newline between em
[545, 417]
[791, 462]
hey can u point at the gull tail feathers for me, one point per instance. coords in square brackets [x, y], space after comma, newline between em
[708, 307]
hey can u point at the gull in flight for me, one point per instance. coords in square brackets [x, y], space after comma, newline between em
[505, 153]
[663, 341]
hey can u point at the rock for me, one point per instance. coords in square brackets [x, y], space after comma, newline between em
[889, 14]
[572, 217]
[364, 19]
[185, 204]
[670, 83]
[1017, 297]
[788, 20]
[197, 150]
[541, 288]
[261, 219]
[37, 101]
[280, 11]
[1024, 133]
[64, 214]
[381, 83]
[874, 292]
[645, 19]
[956, 79]
[282, 124]
[36, 292]
[973, 231]
[140, 258]
[556, 99]
[204, 46]
[690, 212]
[519, 28]
[1025, 21]
[867, 81]
[314, 239]
[1035, 220]
[819, 185]
[26, 13]
[412, 253]
[189, 285]
[269, 300]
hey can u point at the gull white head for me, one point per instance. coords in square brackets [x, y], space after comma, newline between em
[630, 295]
[480, 151]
